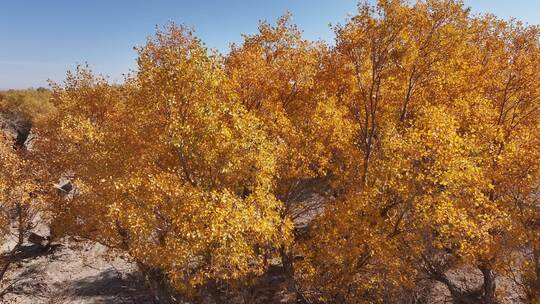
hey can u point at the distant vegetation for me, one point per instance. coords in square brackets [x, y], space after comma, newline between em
[29, 103]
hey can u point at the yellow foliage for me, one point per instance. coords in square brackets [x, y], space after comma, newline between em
[420, 128]
[170, 167]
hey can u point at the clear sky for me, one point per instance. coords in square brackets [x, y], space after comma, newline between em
[40, 40]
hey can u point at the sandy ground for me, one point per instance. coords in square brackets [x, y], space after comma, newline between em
[75, 272]
[83, 272]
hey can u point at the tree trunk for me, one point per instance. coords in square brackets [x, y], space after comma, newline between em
[489, 285]
[288, 268]
[287, 259]
[157, 284]
[535, 285]
[10, 257]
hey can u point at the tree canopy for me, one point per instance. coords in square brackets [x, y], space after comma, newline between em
[418, 130]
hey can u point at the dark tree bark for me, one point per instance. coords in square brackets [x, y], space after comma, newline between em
[489, 285]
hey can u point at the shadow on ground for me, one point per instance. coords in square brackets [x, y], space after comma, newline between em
[110, 286]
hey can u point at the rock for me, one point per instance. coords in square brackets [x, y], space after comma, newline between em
[16, 127]
[38, 240]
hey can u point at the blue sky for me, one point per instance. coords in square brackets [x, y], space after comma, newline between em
[40, 40]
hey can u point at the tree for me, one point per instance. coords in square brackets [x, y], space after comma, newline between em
[275, 73]
[20, 198]
[170, 167]
[431, 90]
[418, 129]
